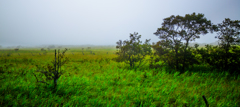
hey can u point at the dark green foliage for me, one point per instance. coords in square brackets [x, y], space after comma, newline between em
[228, 34]
[6, 68]
[27, 61]
[215, 56]
[166, 53]
[154, 63]
[196, 46]
[176, 29]
[224, 57]
[132, 51]
[1, 70]
[9, 54]
[16, 49]
[190, 58]
[44, 51]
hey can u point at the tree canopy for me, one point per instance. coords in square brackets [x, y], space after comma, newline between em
[132, 51]
[176, 29]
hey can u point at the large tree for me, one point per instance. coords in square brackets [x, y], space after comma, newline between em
[171, 36]
[228, 34]
[176, 29]
[193, 26]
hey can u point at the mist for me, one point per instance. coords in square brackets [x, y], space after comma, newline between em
[99, 22]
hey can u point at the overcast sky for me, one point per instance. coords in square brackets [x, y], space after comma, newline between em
[99, 22]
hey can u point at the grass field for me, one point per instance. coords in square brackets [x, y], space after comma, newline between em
[96, 80]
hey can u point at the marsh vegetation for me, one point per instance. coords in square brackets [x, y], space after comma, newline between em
[166, 73]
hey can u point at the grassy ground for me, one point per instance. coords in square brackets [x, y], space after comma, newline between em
[95, 80]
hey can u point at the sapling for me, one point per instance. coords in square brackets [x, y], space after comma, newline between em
[53, 72]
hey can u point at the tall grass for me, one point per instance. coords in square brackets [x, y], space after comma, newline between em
[95, 80]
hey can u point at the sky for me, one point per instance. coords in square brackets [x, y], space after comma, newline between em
[99, 22]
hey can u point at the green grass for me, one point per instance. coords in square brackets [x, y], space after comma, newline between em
[95, 80]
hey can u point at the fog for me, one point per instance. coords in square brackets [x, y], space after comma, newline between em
[99, 22]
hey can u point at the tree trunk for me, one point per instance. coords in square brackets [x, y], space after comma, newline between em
[131, 62]
[176, 56]
[184, 56]
[55, 83]
[226, 57]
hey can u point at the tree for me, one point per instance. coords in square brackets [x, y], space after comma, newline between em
[53, 71]
[228, 34]
[176, 29]
[16, 49]
[193, 26]
[196, 46]
[165, 54]
[42, 49]
[170, 35]
[132, 51]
